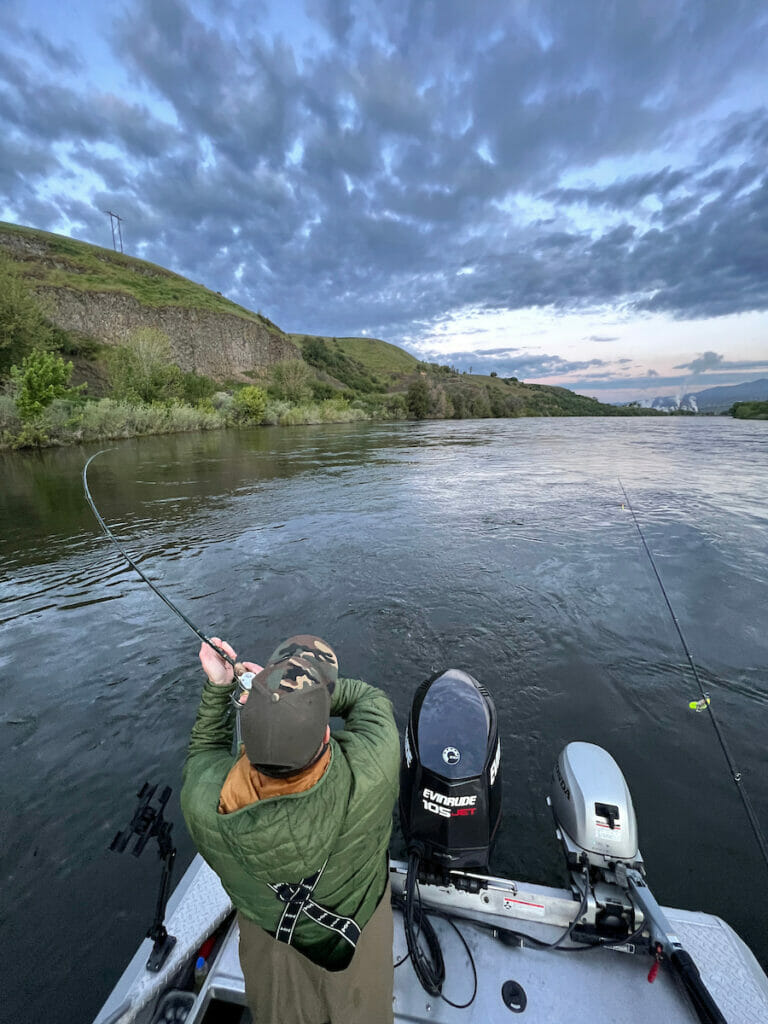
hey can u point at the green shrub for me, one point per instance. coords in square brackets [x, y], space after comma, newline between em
[396, 407]
[321, 391]
[275, 408]
[62, 419]
[72, 343]
[42, 377]
[249, 404]
[196, 387]
[417, 399]
[185, 417]
[749, 410]
[290, 381]
[334, 410]
[22, 324]
[142, 371]
[221, 400]
[9, 415]
[109, 418]
[31, 435]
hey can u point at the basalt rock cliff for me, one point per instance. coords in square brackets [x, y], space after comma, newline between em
[106, 295]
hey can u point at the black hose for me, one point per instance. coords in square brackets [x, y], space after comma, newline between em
[579, 914]
[429, 967]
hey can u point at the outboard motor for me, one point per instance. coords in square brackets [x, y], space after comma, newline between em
[593, 808]
[597, 827]
[596, 824]
[450, 801]
[450, 776]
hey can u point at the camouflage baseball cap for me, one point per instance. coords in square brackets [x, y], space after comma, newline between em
[284, 718]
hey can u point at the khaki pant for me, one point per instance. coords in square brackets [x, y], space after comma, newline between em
[284, 987]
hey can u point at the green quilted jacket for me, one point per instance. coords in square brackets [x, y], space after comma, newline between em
[344, 819]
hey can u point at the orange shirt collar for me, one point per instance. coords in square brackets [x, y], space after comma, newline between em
[245, 784]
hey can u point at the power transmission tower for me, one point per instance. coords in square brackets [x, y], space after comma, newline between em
[113, 217]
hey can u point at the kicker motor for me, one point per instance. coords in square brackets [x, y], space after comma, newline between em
[596, 824]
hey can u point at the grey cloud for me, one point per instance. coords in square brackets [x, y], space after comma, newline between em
[507, 363]
[602, 337]
[623, 194]
[714, 361]
[239, 94]
[342, 189]
[694, 382]
[334, 15]
[60, 58]
[45, 112]
[706, 361]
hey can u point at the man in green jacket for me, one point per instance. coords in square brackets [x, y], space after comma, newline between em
[297, 826]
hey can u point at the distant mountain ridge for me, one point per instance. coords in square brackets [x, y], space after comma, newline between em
[714, 400]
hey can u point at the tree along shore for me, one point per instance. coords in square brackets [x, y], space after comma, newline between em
[749, 410]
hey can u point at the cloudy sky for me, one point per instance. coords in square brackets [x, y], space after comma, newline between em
[568, 192]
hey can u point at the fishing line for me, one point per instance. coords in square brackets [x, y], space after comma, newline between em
[206, 640]
[707, 706]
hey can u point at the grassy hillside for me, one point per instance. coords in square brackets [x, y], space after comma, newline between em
[378, 357]
[376, 378]
[55, 261]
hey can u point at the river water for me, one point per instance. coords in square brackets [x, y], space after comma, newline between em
[498, 546]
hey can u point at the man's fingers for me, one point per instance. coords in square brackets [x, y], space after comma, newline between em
[224, 646]
[252, 666]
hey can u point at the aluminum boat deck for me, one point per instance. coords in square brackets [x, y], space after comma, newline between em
[586, 986]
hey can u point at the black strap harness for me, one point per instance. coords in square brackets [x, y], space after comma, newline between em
[297, 897]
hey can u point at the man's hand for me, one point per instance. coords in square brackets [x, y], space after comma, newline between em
[219, 672]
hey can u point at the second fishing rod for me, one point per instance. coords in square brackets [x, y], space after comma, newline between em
[704, 704]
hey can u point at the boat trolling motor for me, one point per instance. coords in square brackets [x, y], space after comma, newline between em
[596, 824]
[450, 800]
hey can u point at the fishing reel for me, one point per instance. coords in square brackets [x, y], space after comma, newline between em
[244, 679]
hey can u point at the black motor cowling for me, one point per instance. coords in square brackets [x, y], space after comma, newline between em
[450, 775]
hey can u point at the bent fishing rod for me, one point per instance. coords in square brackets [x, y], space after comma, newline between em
[705, 704]
[240, 670]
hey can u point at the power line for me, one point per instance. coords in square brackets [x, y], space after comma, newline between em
[115, 218]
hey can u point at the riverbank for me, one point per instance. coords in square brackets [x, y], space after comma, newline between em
[70, 422]
[66, 423]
